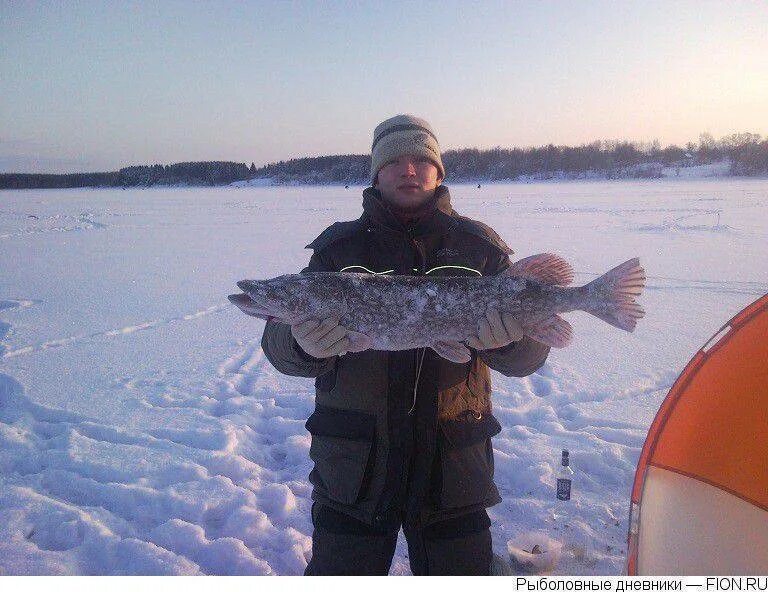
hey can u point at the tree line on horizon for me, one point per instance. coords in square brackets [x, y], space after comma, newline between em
[182, 173]
[746, 153]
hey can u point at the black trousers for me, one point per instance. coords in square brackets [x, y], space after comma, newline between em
[342, 545]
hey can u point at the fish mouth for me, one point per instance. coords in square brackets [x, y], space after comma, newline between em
[255, 290]
[250, 307]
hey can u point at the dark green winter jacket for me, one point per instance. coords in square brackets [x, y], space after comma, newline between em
[376, 458]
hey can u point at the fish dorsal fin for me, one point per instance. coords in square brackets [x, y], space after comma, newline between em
[546, 268]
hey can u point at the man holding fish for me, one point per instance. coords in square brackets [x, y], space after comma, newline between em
[398, 317]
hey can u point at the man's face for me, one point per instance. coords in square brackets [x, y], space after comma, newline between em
[408, 181]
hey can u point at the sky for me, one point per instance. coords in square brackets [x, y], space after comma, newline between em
[94, 86]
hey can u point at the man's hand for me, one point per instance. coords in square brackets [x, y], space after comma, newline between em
[496, 330]
[321, 339]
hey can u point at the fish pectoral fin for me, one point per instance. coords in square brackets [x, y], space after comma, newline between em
[359, 341]
[453, 351]
[249, 307]
[546, 268]
[553, 331]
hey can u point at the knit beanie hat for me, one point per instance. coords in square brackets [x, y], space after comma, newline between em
[403, 134]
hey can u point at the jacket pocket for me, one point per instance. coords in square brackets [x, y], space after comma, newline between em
[342, 449]
[466, 460]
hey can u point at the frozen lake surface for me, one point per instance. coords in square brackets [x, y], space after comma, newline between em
[142, 431]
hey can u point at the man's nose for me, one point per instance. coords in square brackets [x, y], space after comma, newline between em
[409, 170]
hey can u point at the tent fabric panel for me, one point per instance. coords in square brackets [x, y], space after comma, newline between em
[688, 527]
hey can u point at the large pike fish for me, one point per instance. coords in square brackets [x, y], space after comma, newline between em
[394, 312]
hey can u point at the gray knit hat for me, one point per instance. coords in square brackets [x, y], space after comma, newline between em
[403, 134]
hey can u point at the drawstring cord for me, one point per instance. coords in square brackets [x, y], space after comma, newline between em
[416, 384]
[423, 351]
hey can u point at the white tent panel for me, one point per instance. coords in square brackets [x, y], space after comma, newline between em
[688, 527]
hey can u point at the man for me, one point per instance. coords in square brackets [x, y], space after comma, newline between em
[402, 438]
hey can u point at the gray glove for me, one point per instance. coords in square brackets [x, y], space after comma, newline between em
[321, 339]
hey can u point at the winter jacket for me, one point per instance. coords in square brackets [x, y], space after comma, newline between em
[380, 452]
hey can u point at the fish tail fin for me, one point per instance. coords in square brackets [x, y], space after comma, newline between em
[611, 297]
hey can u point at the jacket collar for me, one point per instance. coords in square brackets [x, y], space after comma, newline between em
[434, 217]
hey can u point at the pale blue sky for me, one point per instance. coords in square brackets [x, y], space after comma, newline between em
[100, 85]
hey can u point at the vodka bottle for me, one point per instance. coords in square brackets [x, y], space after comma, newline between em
[563, 510]
[564, 478]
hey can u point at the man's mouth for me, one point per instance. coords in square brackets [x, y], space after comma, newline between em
[408, 186]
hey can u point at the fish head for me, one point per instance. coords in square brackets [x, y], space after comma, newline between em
[266, 296]
[282, 297]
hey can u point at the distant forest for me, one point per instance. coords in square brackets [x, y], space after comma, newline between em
[183, 173]
[746, 155]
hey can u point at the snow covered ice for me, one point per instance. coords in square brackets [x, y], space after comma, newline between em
[142, 431]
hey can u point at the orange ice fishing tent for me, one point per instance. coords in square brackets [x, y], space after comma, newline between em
[700, 496]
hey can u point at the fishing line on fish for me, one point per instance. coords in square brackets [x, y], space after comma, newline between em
[416, 384]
